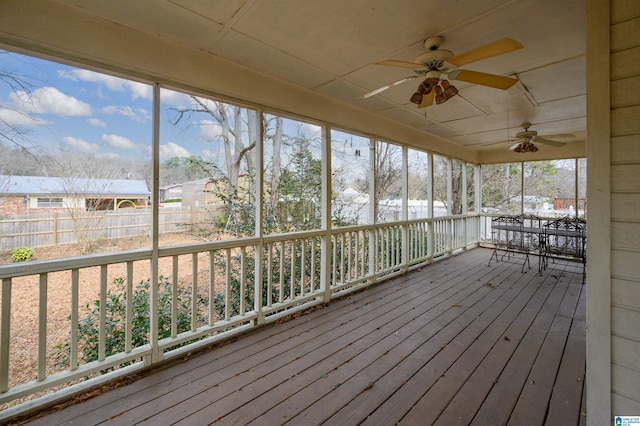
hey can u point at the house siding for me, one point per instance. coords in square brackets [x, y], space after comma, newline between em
[625, 207]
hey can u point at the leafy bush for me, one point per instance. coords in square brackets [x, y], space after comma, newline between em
[22, 254]
[88, 326]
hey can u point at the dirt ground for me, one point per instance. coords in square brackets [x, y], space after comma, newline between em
[25, 299]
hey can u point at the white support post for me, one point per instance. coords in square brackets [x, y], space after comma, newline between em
[325, 243]
[522, 187]
[405, 209]
[599, 268]
[477, 193]
[577, 206]
[430, 231]
[156, 354]
[373, 235]
[259, 217]
[449, 247]
[463, 176]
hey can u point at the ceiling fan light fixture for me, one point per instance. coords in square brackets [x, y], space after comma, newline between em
[440, 96]
[525, 146]
[449, 90]
[425, 87]
[416, 98]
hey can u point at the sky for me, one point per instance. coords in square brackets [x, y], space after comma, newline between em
[64, 108]
[68, 108]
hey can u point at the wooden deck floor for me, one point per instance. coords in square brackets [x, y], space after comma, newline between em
[455, 343]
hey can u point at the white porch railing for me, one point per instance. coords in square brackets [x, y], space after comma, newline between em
[216, 298]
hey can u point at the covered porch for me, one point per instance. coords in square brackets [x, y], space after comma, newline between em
[404, 319]
[455, 342]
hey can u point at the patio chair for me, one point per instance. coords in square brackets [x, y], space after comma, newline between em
[566, 239]
[534, 237]
[507, 234]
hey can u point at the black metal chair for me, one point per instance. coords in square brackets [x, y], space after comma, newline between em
[565, 238]
[507, 234]
[534, 237]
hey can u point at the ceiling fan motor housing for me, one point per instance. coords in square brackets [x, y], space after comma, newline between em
[526, 135]
[433, 43]
[434, 59]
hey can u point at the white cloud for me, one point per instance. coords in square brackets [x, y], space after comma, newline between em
[173, 98]
[140, 90]
[80, 145]
[139, 114]
[210, 129]
[116, 84]
[17, 118]
[49, 100]
[120, 142]
[170, 150]
[96, 122]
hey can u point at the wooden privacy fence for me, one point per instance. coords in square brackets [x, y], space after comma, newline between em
[46, 229]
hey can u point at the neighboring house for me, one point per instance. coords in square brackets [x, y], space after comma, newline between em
[209, 192]
[568, 203]
[24, 194]
[171, 192]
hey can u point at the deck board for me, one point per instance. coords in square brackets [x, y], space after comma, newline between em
[457, 342]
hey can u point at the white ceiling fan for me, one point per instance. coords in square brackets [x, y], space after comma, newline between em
[432, 64]
[527, 138]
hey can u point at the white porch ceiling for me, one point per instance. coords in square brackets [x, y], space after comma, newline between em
[329, 46]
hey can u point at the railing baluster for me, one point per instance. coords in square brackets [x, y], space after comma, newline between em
[227, 291]
[174, 296]
[212, 287]
[387, 250]
[242, 280]
[342, 277]
[194, 291]
[129, 308]
[356, 255]
[363, 254]
[395, 259]
[73, 361]
[5, 334]
[303, 272]
[282, 284]
[42, 328]
[334, 275]
[292, 277]
[270, 274]
[102, 330]
[314, 241]
[349, 256]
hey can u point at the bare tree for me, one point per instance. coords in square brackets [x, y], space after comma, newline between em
[276, 161]
[232, 121]
[388, 168]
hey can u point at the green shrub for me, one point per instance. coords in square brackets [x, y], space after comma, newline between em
[22, 254]
[88, 326]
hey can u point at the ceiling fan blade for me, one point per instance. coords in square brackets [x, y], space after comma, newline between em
[383, 88]
[496, 48]
[395, 63]
[427, 100]
[484, 79]
[560, 136]
[538, 139]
